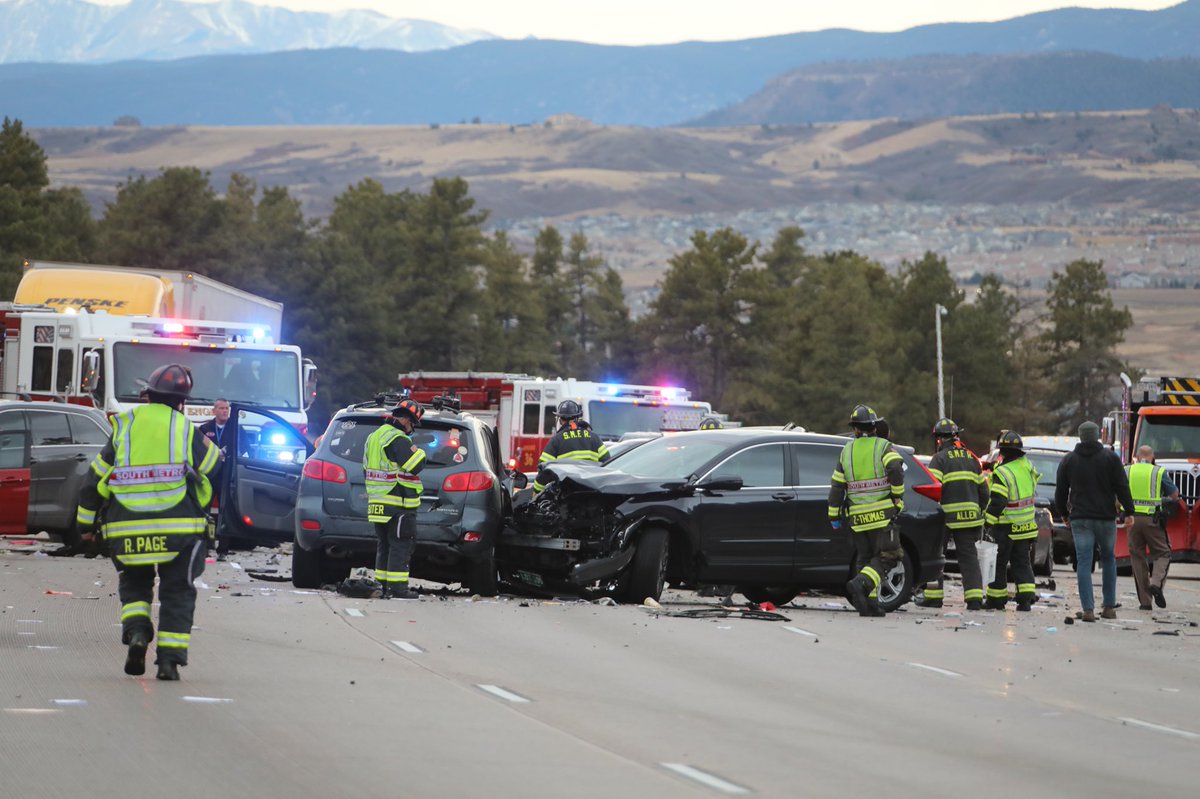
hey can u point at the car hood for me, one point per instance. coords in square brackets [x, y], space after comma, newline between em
[575, 478]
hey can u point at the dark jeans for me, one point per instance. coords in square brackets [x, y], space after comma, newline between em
[1087, 534]
[176, 597]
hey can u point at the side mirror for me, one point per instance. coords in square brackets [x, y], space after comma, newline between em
[310, 383]
[91, 371]
[721, 484]
[519, 480]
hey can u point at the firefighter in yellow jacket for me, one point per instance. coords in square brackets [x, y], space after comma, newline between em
[1012, 521]
[152, 481]
[391, 463]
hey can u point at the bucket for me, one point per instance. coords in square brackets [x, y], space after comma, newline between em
[987, 552]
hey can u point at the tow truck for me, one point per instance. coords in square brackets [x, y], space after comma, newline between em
[521, 407]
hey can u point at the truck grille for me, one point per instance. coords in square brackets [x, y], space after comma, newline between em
[1188, 483]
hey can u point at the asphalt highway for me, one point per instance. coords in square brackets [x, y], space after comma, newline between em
[308, 694]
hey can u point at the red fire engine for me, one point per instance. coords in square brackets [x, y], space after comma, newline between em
[521, 407]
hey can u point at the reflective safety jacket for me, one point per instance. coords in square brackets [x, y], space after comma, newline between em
[1146, 486]
[574, 441]
[964, 488]
[869, 479]
[152, 479]
[391, 463]
[1014, 488]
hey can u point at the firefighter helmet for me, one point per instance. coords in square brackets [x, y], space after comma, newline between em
[171, 380]
[568, 410]
[1009, 439]
[946, 428]
[862, 416]
[711, 423]
[409, 408]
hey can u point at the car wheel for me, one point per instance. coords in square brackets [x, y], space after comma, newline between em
[479, 574]
[1043, 566]
[776, 595]
[648, 572]
[306, 567]
[897, 586]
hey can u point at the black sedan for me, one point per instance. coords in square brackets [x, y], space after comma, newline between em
[743, 507]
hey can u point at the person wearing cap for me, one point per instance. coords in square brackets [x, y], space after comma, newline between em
[152, 481]
[391, 465]
[1091, 482]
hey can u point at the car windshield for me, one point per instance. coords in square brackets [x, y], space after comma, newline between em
[251, 376]
[672, 457]
[1170, 436]
[444, 446]
[610, 419]
[1047, 464]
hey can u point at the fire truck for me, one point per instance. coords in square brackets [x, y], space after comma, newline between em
[1164, 414]
[521, 407]
[91, 336]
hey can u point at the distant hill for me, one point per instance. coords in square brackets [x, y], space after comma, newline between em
[79, 31]
[937, 86]
[528, 80]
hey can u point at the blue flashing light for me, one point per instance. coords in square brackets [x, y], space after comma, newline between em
[258, 333]
[278, 439]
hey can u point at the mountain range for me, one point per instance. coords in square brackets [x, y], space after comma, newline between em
[523, 81]
[76, 31]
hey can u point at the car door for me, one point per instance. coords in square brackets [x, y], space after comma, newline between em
[822, 553]
[261, 476]
[14, 473]
[53, 460]
[749, 533]
[88, 436]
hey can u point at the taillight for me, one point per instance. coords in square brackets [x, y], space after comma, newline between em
[933, 489]
[318, 469]
[310, 524]
[467, 481]
[472, 537]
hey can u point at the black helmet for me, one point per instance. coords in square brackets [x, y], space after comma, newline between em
[1009, 439]
[409, 408]
[862, 416]
[568, 410]
[711, 423]
[171, 380]
[946, 428]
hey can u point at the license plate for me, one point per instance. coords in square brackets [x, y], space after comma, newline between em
[530, 578]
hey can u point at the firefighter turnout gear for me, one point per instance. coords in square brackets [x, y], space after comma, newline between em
[964, 495]
[391, 465]
[148, 490]
[574, 441]
[1011, 515]
[868, 491]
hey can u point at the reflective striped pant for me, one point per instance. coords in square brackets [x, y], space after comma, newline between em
[176, 598]
[394, 548]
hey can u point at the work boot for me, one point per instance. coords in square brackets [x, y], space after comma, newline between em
[922, 602]
[994, 603]
[1024, 603]
[1108, 613]
[974, 604]
[874, 608]
[135, 658]
[167, 670]
[1086, 615]
[66, 551]
[857, 594]
[402, 591]
[1157, 593]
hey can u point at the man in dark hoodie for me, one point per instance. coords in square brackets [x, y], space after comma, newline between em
[1091, 481]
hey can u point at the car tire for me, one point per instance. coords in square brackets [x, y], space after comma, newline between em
[776, 595]
[480, 577]
[898, 584]
[306, 567]
[648, 571]
[1045, 566]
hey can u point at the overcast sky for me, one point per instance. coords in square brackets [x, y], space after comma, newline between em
[660, 21]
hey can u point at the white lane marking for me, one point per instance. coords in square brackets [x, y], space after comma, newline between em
[496, 690]
[71, 702]
[798, 631]
[935, 670]
[26, 633]
[704, 778]
[206, 700]
[1191, 736]
[36, 646]
[354, 612]
[405, 646]
[32, 711]
[29, 621]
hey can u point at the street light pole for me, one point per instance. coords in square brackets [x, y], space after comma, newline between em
[938, 312]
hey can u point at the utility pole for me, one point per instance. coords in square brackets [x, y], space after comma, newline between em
[938, 312]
